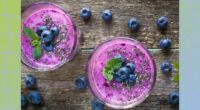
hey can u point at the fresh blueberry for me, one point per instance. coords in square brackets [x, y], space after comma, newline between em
[34, 97]
[123, 73]
[55, 31]
[166, 67]
[131, 66]
[121, 57]
[106, 15]
[40, 29]
[133, 24]
[23, 101]
[30, 81]
[48, 46]
[165, 43]
[174, 98]
[162, 23]
[81, 83]
[46, 36]
[97, 105]
[117, 78]
[85, 13]
[132, 79]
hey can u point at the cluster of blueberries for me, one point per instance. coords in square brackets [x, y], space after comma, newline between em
[126, 73]
[47, 35]
[33, 97]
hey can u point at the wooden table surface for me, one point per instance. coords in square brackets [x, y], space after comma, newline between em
[57, 87]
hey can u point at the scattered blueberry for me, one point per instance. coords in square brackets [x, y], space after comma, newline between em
[85, 13]
[174, 98]
[46, 36]
[133, 24]
[162, 23]
[106, 15]
[166, 67]
[131, 66]
[121, 57]
[30, 81]
[48, 46]
[34, 97]
[23, 101]
[55, 31]
[40, 29]
[81, 83]
[132, 79]
[165, 43]
[97, 105]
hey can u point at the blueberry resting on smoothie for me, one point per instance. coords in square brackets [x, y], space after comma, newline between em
[114, 70]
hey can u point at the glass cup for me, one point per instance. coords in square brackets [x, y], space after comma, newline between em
[115, 94]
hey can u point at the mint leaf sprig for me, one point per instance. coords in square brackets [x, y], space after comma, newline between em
[35, 42]
[111, 66]
[176, 77]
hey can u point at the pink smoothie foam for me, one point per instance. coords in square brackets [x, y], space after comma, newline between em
[113, 93]
[50, 15]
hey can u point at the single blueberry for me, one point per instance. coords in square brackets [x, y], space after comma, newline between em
[123, 73]
[117, 78]
[34, 97]
[165, 43]
[133, 24]
[106, 15]
[30, 81]
[46, 36]
[55, 31]
[162, 23]
[97, 105]
[174, 98]
[48, 46]
[132, 79]
[40, 29]
[81, 83]
[85, 13]
[24, 101]
[166, 67]
[131, 66]
[121, 57]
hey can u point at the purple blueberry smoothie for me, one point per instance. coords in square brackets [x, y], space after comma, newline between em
[115, 94]
[65, 44]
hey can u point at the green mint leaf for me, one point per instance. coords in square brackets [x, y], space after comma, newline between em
[30, 33]
[176, 77]
[37, 52]
[35, 43]
[111, 65]
[176, 65]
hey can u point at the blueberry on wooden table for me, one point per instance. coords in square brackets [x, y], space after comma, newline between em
[165, 43]
[162, 22]
[97, 105]
[34, 98]
[107, 15]
[133, 24]
[85, 13]
[166, 67]
[24, 101]
[81, 83]
[30, 81]
[174, 98]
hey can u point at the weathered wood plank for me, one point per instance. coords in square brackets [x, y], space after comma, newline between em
[57, 87]
[96, 31]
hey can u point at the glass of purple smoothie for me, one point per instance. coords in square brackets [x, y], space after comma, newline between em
[119, 94]
[63, 46]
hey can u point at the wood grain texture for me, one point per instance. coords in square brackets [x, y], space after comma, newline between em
[58, 90]
[146, 11]
[57, 87]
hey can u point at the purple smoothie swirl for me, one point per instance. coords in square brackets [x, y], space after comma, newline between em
[113, 93]
[65, 44]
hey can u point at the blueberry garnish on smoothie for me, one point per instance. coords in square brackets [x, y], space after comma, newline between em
[115, 71]
[42, 39]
